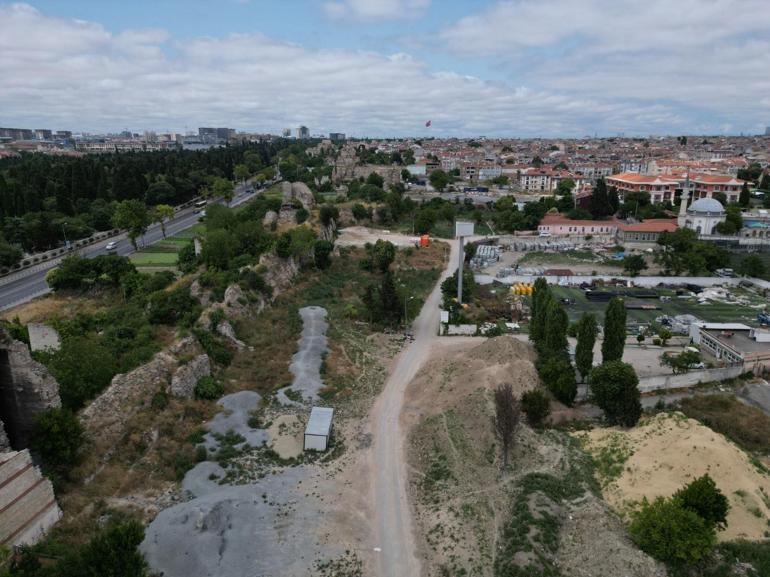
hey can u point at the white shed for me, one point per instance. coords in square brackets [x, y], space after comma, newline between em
[318, 429]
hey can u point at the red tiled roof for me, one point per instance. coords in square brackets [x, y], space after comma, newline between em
[650, 225]
[556, 218]
[636, 178]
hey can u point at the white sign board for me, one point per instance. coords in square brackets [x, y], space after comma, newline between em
[463, 228]
[444, 316]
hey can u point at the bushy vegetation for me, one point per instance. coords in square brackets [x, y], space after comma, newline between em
[614, 388]
[536, 406]
[57, 439]
[209, 388]
[681, 530]
[746, 426]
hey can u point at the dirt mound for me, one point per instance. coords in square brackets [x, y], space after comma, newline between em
[457, 369]
[668, 451]
[471, 516]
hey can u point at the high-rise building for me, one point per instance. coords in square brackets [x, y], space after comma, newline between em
[224, 134]
[767, 130]
[336, 136]
[286, 132]
[303, 132]
[43, 134]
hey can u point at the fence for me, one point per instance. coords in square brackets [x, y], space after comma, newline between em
[663, 382]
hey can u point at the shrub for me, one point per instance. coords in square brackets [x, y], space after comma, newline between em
[559, 377]
[169, 307]
[214, 347]
[671, 533]
[322, 250]
[57, 438]
[187, 260]
[703, 497]
[536, 405]
[209, 388]
[301, 215]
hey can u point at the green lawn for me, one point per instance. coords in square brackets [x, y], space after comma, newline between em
[712, 312]
[142, 259]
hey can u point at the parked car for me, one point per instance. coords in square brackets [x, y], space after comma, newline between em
[111, 246]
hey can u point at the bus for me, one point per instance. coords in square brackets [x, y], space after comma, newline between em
[200, 205]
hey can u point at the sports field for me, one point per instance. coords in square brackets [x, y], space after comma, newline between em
[163, 255]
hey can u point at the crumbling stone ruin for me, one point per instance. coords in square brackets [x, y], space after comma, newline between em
[27, 503]
[26, 389]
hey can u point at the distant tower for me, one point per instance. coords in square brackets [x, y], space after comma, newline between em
[682, 218]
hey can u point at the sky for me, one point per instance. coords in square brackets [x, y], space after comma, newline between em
[382, 68]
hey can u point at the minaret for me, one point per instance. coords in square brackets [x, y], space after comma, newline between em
[682, 219]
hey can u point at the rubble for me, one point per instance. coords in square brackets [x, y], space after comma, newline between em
[187, 376]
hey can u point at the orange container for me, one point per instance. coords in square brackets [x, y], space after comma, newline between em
[424, 240]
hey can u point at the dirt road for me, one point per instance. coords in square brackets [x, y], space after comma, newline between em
[393, 523]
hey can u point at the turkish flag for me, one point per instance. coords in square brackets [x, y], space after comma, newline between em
[427, 124]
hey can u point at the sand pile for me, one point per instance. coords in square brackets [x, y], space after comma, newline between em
[457, 369]
[669, 451]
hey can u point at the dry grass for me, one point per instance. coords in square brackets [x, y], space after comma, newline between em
[63, 305]
[744, 425]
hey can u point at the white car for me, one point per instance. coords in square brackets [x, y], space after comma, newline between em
[112, 245]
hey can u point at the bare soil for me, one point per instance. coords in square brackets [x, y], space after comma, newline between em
[463, 499]
[669, 450]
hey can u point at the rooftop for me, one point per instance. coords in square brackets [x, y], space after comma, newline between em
[740, 341]
[650, 225]
[706, 205]
[320, 421]
[636, 178]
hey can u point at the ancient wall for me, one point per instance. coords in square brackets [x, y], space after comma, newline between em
[27, 503]
[26, 389]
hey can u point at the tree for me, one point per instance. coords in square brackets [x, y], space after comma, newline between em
[439, 179]
[390, 304]
[360, 212]
[764, 184]
[565, 186]
[556, 324]
[733, 221]
[537, 309]
[329, 213]
[752, 266]
[671, 533]
[219, 248]
[586, 339]
[703, 497]
[507, 417]
[634, 264]
[745, 198]
[160, 214]
[664, 335]
[9, 255]
[224, 188]
[57, 438]
[113, 552]
[322, 250]
[682, 362]
[599, 202]
[536, 405]
[614, 330]
[133, 216]
[383, 253]
[559, 377]
[375, 180]
[241, 172]
[614, 387]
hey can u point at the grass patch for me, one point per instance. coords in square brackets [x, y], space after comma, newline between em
[152, 258]
[746, 426]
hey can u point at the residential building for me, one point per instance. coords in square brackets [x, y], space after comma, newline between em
[706, 185]
[660, 188]
[336, 136]
[43, 134]
[303, 132]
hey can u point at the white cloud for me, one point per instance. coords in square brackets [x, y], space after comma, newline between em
[67, 74]
[373, 10]
[707, 56]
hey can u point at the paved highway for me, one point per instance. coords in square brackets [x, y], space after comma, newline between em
[27, 284]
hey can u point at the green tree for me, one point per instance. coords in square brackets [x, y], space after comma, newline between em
[375, 179]
[221, 187]
[536, 406]
[439, 179]
[556, 324]
[671, 533]
[599, 201]
[614, 330]
[241, 172]
[586, 339]
[329, 213]
[219, 248]
[733, 221]
[703, 497]
[57, 438]
[664, 335]
[113, 552]
[537, 307]
[160, 214]
[133, 216]
[383, 253]
[745, 198]
[614, 387]
[360, 212]
[321, 253]
[764, 184]
[390, 304]
[682, 362]
[565, 186]
[9, 255]
[634, 264]
[559, 377]
[752, 266]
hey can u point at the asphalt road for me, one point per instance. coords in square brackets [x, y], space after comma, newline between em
[30, 283]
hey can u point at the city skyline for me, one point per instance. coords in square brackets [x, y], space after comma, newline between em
[383, 68]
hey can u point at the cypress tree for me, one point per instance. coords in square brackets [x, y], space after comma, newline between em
[556, 324]
[745, 197]
[614, 331]
[538, 290]
[389, 301]
[599, 203]
[586, 338]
